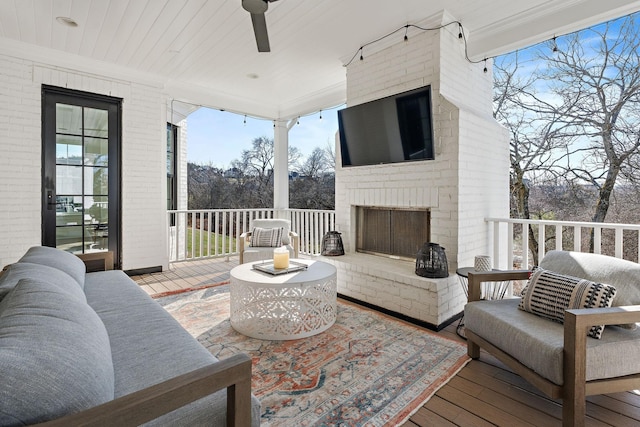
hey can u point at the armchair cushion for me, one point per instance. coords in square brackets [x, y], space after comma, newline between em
[538, 343]
[274, 223]
[266, 237]
[549, 294]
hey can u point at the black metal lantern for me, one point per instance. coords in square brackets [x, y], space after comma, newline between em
[332, 244]
[431, 261]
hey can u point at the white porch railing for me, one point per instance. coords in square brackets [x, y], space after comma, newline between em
[508, 240]
[197, 234]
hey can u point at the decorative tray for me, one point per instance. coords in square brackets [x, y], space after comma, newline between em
[268, 267]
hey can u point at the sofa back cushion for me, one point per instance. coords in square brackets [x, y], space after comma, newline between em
[623, 275]
[56, 258]
[55, 356]
[26, 270]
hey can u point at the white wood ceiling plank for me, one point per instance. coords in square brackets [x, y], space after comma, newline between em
[164, 38]
[44, 21]
[88, 15]
[114, 15]
[199, 54]
[9, 19]
[59, 32]
[26, 23]
[146, 19]
[125, 28]
[148, 45]
[190, 37]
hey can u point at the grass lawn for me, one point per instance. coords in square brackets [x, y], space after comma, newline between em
[197, 236]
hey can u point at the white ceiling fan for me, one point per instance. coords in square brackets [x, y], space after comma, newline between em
[257, 8]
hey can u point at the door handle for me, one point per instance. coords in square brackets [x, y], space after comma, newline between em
[50, 201]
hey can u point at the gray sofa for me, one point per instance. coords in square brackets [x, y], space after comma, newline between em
[559, 359]
[81, 347]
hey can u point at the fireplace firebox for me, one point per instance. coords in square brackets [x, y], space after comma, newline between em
[394, 232]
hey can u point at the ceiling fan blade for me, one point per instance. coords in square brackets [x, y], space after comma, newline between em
[260, 30]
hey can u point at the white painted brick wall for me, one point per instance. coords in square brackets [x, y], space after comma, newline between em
[467, 181]
[143, 159]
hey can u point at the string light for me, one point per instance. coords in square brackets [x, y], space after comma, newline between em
[244, 122]
[320, 114]
[298, 120]
[461, 35]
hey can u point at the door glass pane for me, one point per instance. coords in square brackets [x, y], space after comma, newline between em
[96, 151]
[68, 119]
[96, 210]
[81, 176]
[69, 180]
[96, 122]
[68, 150]
[96, 181]
[69, 238]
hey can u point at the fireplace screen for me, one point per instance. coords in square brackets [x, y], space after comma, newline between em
[395, 232]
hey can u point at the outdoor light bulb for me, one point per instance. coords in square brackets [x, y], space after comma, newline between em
[485, 66]
[460, 31]
[320, 114]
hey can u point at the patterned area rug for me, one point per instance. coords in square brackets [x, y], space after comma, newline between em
[366, 370]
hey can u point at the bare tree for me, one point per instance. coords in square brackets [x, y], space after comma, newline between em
[575, 119]
[594, 79]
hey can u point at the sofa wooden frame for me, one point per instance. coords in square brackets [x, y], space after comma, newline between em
[577, 322]
[233, 373]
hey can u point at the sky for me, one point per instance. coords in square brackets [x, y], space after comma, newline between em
[218, 137]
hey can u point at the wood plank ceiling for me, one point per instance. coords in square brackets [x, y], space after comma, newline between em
[204, 51]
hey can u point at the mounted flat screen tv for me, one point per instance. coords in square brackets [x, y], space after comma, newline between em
[394, 129]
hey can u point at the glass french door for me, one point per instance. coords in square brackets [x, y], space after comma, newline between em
[81, 172]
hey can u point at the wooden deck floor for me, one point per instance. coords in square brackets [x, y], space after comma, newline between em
[484, 393]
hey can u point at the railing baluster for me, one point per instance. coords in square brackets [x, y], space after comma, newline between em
[558, 237]
[525, 246]
[577, 238]
[597, 240]
[618, 245]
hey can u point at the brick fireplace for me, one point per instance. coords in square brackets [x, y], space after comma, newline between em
[465, 183]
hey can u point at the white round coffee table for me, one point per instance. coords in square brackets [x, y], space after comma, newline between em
[283, 307]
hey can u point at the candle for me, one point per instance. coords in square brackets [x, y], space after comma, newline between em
[281, 257]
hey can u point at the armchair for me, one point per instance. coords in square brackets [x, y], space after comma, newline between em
[560, 359]
[250, 250]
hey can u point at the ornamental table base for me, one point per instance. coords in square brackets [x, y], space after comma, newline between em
[283, 307]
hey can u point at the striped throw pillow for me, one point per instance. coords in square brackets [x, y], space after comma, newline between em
[549, 294]
[266, 237]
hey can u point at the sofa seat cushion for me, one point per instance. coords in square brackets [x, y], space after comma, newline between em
[149, 346]
[55, 356]
[26, 270]
[57, 258]
[538, 343]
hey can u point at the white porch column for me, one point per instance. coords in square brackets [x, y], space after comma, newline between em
[281, 167]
